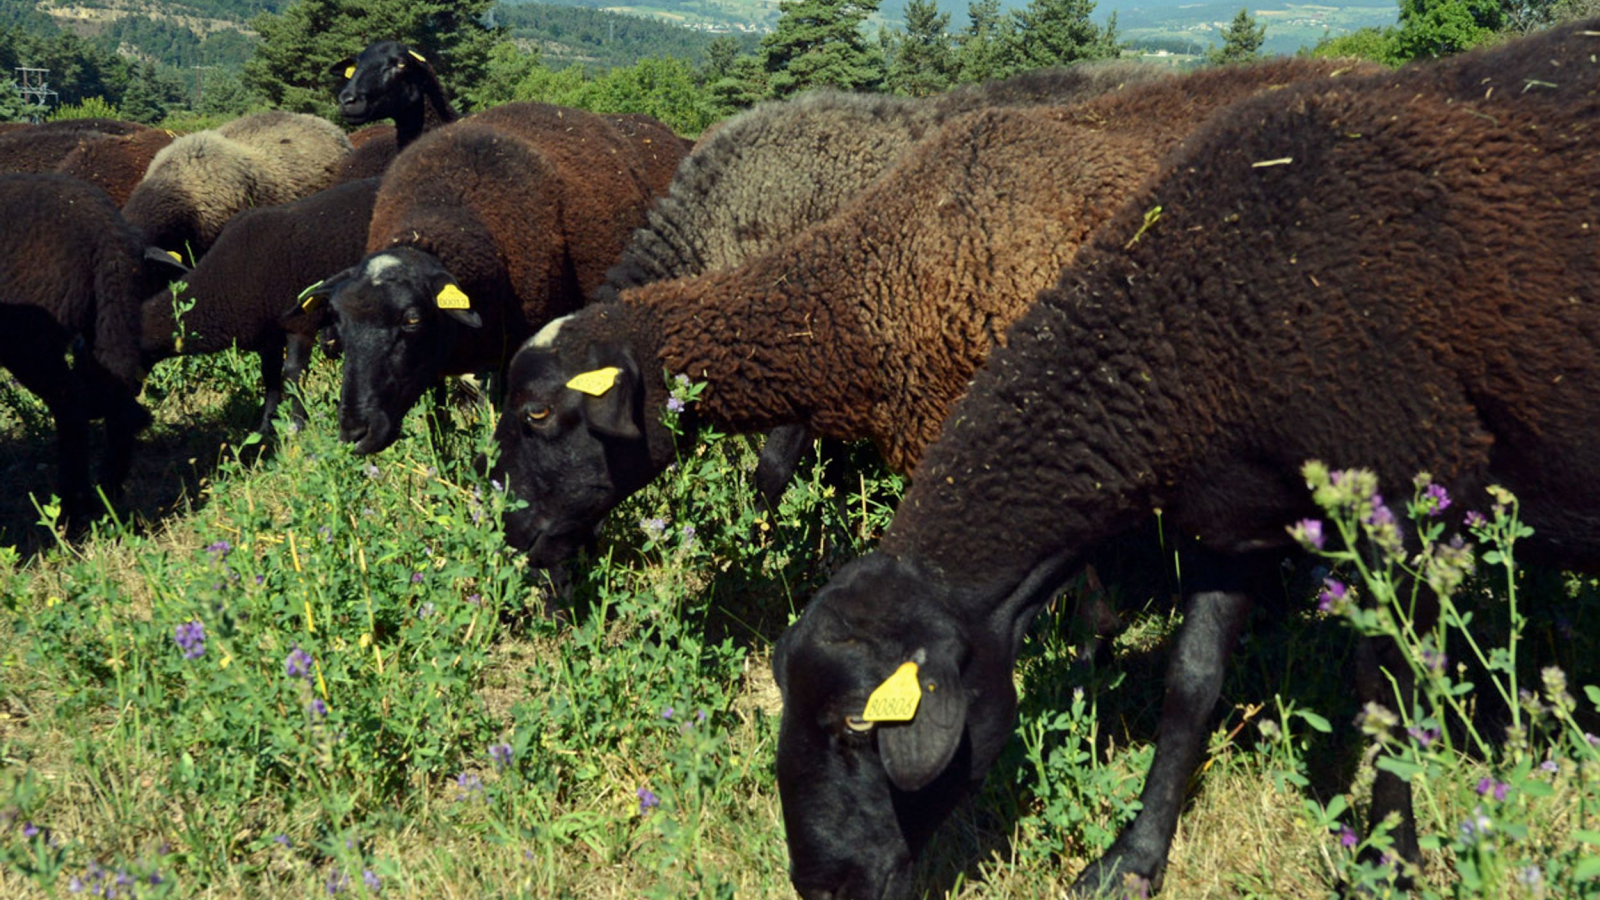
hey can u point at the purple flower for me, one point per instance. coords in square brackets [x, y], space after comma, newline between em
[298, 664]
[30, 830]
[667, 712]
[318, 709]
[1309, 533]
[219, 549]
[337, 882]
[260, 578]
[1440, 498]
[425, 610]
[75, 885]
[1550, 766]
[1381, 515]
[501, 754]
[1433, 660]
[475, 599]
[647, 799]
[191, 639]
[1593, 739]
[371, 880]
[281, 839]
[469, 785]
[1423, 736]
[372, 470]
[1347, 838]
[699, 716]
[1475, 519]
[416, 577]
[1487, 786]
[653, 528]
[674, 405]
[1333, 593]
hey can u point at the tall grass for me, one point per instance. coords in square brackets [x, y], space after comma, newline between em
[293, 672]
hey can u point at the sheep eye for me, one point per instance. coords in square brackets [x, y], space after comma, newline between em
[413, 319]
[860, 726]
[537, 416]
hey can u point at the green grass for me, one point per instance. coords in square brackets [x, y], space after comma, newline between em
[645, 677]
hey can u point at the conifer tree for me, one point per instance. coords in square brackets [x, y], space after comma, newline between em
[1058, 32]
[1241, 40]
[819, 43]
[923, 56]
[983, 48]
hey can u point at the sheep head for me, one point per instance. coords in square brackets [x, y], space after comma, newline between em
[575, 437]
[897, 697]
[397, 315]
[380, 82]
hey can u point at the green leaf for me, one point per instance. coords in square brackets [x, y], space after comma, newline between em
[1587, 868]
[1402, 767]
[1315, 721]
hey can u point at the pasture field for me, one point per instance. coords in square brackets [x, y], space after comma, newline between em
[290, 672]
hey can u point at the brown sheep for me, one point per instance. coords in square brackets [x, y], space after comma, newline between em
[482, 231]
[71, 269]
[115, 163]
[201, 180]
[1395, 271]
[865, 326]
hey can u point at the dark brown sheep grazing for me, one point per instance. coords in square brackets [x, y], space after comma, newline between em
[388, 80]
[1394, 271]
[865, 326]
[259, 266]
[482, 231]
[72, 270]
[115, 163]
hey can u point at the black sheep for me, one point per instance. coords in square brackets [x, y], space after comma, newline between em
[261, 262]
[71, 275]
[1396, 271]
[388, 80]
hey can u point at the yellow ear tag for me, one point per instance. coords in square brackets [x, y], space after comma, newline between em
[452, 297]
[595, 383]
[308, 300]
[176, 256]
[896, 699]
[418, 56]
[349, 71]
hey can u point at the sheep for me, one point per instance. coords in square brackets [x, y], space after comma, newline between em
[388, 80]
[201, 180]
[481, 232]
[1395, 271]
[115, 163]
[71, 270]
[865, 326]
[258, 267]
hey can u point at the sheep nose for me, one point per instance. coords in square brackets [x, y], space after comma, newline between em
[353, 433]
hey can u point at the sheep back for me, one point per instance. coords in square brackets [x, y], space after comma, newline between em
[261, 262]
[66, 250]
[375, 148]
[115, 164]
[526, 202]
[201, 180]
[1408, 285]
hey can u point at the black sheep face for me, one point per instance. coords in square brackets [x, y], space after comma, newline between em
[861, 798]
[572, 443]
[397, 315]
[379, 82]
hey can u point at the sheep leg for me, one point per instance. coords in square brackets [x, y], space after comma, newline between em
[1212, 621]
[271, 382]
[41, 367]
[112, 400]
[295, 363]
[1390, 792]
[780, 456]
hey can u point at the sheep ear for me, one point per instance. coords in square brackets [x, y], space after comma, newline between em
[453, 302]
[344, 68]
[164, 261]
[611, 398]
[917, 750]
[315, 297]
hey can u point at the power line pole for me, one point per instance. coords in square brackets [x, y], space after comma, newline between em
[32, 85]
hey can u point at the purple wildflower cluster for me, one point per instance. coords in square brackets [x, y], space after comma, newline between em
[298, 664]
[99, 881]
[1488, 786]
[647, 800]
[1334, 597]
[501, 754]
[469, 786]
[191, 639]
[219, 549]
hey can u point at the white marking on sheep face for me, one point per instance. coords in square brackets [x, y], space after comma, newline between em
[378, 265]
[546, 337]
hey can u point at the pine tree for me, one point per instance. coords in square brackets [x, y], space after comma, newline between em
[819, 43]
[290, 65]
[1058, 32]
[984, 47]
[720, 55]
[12, 109]
[924, 59]
[1241, 40]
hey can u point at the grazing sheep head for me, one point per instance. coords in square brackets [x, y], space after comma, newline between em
[863, 786]
[380, 82]
[397, 314]
[573, 441]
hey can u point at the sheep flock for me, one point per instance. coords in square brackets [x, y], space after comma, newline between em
[1061, 305]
